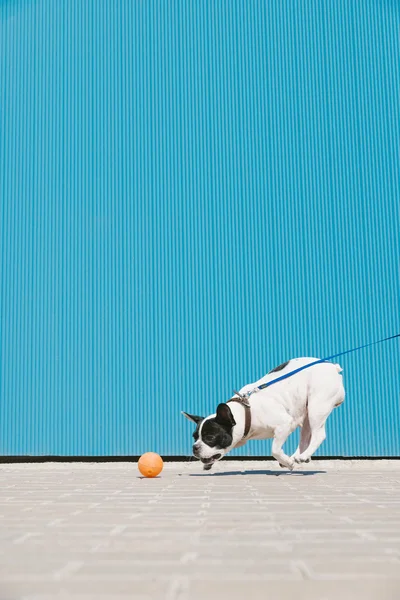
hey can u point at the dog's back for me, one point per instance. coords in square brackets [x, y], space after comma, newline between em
[319, 370]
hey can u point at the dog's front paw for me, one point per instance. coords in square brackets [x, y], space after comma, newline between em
[288, 465]
[291, 464]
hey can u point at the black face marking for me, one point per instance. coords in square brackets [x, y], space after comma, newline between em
[280, 367]
[216, 435]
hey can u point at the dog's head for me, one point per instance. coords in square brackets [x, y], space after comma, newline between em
[213, 435]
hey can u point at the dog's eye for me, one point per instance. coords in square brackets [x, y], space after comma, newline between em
[208, 440]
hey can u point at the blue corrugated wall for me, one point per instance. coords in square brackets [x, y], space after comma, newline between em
[192, 192]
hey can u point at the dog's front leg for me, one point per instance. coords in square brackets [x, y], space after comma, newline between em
[281, 434]
[305, 438]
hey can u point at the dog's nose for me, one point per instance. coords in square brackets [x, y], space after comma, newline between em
[196, 451]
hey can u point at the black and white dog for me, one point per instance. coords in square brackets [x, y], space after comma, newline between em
[304, 399]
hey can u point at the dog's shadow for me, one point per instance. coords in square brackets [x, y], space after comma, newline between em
[257, 472]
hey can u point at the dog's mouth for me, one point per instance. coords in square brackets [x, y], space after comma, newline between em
[209, 461]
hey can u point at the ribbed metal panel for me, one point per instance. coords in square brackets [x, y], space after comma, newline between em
[191, 193]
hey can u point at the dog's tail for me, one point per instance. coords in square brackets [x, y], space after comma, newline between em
[338, 368]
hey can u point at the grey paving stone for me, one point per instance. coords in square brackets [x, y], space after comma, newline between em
[247, 529]
[308, 590]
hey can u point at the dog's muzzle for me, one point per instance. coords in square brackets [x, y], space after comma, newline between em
[207, 461]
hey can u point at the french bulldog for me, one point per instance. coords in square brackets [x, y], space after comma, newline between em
[304, 399]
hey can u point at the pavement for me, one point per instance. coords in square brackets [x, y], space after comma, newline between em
[244, 530]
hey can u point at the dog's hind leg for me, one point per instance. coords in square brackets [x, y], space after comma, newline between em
[327, 393]
[317, 437]
[319, 410]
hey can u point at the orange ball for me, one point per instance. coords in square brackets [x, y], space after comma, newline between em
[150, 464]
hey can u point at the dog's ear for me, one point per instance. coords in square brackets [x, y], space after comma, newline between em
[224, 416]
[193, 418]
